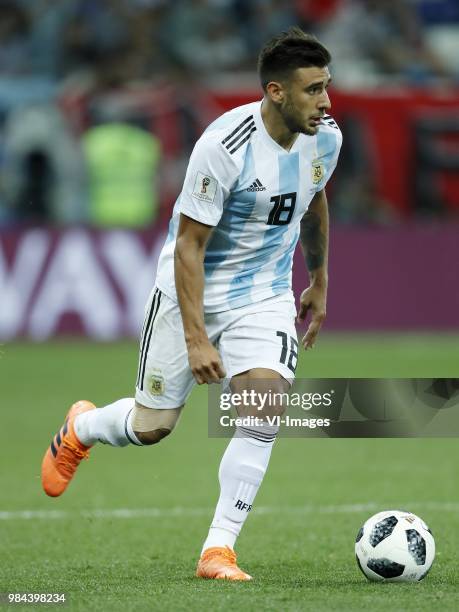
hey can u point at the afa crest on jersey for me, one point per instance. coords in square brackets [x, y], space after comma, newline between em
[318, 171]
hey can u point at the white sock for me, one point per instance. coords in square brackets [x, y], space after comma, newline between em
[109, 425]
[242, 469]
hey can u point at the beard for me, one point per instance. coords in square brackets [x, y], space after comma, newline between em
[292, 119]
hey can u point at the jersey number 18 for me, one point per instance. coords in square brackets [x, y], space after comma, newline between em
[283, 209]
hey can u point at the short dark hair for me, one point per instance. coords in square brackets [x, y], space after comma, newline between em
[290, 50]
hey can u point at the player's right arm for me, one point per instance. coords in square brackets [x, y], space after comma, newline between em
[210, 175]
[192, 237]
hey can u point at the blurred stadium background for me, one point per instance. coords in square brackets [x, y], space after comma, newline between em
[101, 102]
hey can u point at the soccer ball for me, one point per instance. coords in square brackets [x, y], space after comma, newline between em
[395, 546]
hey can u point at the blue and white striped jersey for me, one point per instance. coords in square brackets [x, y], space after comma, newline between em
[254, 193]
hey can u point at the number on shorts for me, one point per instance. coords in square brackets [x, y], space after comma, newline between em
[292, 354]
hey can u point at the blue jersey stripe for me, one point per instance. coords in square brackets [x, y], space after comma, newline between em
[243, 281]
[289, 182]
[226, 235]
[283, 267]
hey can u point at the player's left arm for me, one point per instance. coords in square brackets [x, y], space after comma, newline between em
[314, 244]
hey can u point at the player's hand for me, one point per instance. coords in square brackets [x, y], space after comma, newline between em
[314, 298]
[205, 362]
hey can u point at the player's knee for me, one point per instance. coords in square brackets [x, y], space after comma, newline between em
[268, 388]
[279, 390]
[147, 438]
[151, 425]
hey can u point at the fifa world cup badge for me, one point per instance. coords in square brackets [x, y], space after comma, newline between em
[205, 184]
[156, 383]
[205, 188]
[318, 171]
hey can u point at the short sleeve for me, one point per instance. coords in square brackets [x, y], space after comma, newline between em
[329, 145]
[334, 159]
[208, 181]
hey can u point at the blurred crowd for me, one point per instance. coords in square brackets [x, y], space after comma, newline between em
[54, 50]
[141, 39]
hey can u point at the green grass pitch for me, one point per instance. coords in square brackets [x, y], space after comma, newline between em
[298, 542]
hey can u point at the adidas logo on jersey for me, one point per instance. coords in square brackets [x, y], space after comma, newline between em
[256, 186]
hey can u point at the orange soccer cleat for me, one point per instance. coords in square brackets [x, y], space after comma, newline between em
[220, 563]
[65, 453]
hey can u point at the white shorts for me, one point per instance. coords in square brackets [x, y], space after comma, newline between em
[261, 335]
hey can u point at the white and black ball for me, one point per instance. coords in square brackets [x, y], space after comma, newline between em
[395, 546]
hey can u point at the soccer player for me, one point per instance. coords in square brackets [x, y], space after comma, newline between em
[222, 306]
